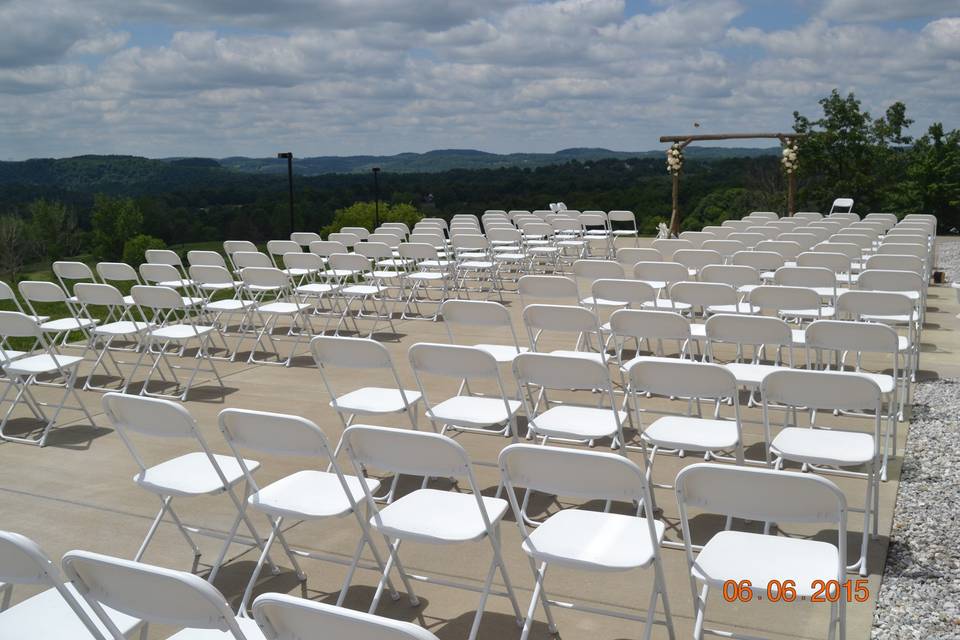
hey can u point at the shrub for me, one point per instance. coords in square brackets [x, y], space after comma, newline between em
[135, 248]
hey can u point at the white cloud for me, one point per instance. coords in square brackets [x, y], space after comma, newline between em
[877, 10]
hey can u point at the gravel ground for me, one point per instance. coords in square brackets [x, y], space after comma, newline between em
[920, 593]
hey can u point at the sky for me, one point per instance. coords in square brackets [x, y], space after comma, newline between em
[216, 78]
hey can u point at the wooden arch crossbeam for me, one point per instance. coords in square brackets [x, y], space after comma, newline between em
[684, 140]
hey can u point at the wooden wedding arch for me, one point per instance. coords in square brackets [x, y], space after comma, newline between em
[784, 138]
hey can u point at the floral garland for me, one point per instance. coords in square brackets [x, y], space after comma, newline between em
[674, 158]
[789, 159]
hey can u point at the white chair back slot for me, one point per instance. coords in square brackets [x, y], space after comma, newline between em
[416, 453]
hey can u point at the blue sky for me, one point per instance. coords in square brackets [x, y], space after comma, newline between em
[339, 77]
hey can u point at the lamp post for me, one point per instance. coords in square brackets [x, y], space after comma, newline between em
[289, 156]
[376, 198]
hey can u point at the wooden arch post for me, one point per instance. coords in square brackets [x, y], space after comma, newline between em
[683, 141]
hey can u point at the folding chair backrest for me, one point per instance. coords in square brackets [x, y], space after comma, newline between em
[96, 294]
[633, 292]
[348, 239]
[304, 238]
[163, 256]
[735, 275]
[264, 277]
[748, 330]
[504, 234]
[620, 215]
[836, 262]
[548, 287]
[805, 240]
[361, 232]
[594, 269]
[895, 262]
[283, 617]
[760, 494]
[682, 378]
[777, 297]
[696, 259]
[156, 297]
[703, 294]
[383, 237]
[697, 237]
[417, 453]
[762, 260]
[805, 277]
[326, 248]
[667, 246]
[351, 353]
[14, 324]
[302, 260]
[66, 270]
[826, 390]
[452, 361]
[22, 561]
[556, 317]
[719, 232]
[642, 323]
[375, 250]
[584, 475]
[41, 291]
[273, 433]
[280, 247]
[117, 272]
[230, 247]
[418, 251]
[889, 280]
[750, 239]
[789, 250]
[560, 372]
[156, 272]
[724, 247]
[841, 204]
[861, 337]
[205, 258]
[152, 594]
[210, 274]
[152, 417]
[242, 259]
[808, 215]
[629, 256]
[350, 262]
[668, 272]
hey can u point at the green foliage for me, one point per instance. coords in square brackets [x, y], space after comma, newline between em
[114, 221]
[935, 175]
[54, 229]
[15, 245]
[363, 214]
[135, 248]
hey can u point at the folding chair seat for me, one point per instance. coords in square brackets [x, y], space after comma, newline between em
[67, 272]
[331, 352]
[120, 325]
[353, 273]
[309, 494]
[274, 298]
[58, 329]
[282, 617]
[172, 323]
[660, 275]
[761, 495]
[831, 450]
[197, 473]
[647, 324]
[57, 613]
[538, 373]
[429, 516]
[579, 538]
[121, 274]
[22, 370]
[157, 595]
[478, 313]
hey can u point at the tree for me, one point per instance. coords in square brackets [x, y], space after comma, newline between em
[934, 176]
[362, 214]
[54, 229]
[135, 248]
[15, 245]
[114, 221]
[848, 153]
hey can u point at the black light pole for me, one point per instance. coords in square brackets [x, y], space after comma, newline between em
[376, 201]
[289, 157]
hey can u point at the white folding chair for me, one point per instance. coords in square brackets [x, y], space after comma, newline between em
[660, 275]
[76, 272]
[330, 352]
[353, 273]
[231, 247]
[156, 595]
[589, 271]
[698, 237]
[552, 319]
[673, 433]
[668, 246]
[759, 334]
[166, 275]
[304, 238]
[172, 323]
[426, 273]
[198, 473]
[122, 274]
[283, 617]
[205, 259]
[168, 257]
[830, 450]
[629, 256]
[779, 568]
[58, 612]
[429, 516]
[709, 298]
[213, 281]
[120, 325]
[6, 293]
[58, 329]
[538, 373]
[627, 218]
[274, 298]
[309, 494]
[468, 409]
[794, 304]
[648, 325]
[474, 264]
[23, 369]
[555, 288]
[743, 278]
[580, 538]
[696, 259]
[479, 313]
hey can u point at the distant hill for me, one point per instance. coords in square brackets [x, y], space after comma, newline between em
[446, 159]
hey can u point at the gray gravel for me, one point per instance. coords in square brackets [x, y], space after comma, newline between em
[920, 593]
